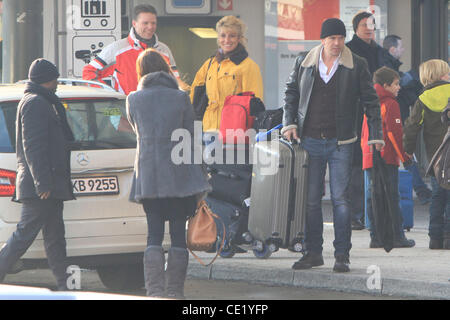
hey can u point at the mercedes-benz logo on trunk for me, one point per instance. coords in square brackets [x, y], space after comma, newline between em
[83, 159]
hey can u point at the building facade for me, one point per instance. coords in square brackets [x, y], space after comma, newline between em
[71, 32]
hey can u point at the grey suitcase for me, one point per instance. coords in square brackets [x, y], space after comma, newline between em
[278, 195]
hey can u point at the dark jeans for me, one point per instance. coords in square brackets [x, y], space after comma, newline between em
[36, 215]
[417, 181]
[339, 159]
[392, 179]
[439, 211]
[357, 194]
[176, 211]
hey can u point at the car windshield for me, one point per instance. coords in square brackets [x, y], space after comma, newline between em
[96, 124]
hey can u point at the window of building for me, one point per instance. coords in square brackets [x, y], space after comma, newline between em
[293, 26]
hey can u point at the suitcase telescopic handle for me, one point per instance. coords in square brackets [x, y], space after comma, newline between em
[292, 142]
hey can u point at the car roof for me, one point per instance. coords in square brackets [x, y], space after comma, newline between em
[10, 92]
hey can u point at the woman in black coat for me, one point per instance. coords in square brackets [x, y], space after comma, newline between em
[167, 187]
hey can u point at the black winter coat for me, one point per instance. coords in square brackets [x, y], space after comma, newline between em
[388, 60]
[42, 146]
[376, 57]
[373, 53]
[354, 85]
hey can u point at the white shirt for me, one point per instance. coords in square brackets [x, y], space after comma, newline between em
[323, 69]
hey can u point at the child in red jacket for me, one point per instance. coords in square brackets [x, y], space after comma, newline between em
[387, 86]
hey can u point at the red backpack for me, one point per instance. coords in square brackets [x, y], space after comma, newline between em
[237, 117]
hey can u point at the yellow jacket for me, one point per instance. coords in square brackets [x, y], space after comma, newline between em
[224, 79]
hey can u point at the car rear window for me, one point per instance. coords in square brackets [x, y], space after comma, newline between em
[96, 124]
[99, 124]
[7, 127]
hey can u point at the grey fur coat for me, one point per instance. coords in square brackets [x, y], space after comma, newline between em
[154, 111]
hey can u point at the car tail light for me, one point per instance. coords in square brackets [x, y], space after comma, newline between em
[7, 183]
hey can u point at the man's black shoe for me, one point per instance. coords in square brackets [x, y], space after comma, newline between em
[308, 261]
[357, 225]
[341, 264]
[375, 244]
[404, 243]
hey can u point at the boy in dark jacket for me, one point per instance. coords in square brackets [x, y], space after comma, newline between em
[426, 116]
[387, 86]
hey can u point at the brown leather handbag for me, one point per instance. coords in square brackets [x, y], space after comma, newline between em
[202, 232]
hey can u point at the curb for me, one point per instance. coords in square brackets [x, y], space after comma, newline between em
[323, 278]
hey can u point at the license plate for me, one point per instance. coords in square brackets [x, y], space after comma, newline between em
[95, 186]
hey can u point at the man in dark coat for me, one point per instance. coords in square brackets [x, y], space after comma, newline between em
[364, 45]
[43, 172]
[393, 50]
[326, 89]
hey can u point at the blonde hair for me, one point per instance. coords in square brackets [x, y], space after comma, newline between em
[433, 70]
[235, 24]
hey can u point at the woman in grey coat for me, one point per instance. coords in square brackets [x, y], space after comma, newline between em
[167, 190]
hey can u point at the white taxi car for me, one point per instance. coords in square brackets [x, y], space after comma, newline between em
[103, 229]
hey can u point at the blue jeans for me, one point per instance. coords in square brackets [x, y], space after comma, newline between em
[392, 179]
[417, 182]
[439, 211]
[339, 159]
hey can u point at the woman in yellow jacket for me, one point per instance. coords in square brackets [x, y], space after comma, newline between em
[229, 72]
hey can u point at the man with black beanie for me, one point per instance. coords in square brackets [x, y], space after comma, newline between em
[43, 172]
[321, 104]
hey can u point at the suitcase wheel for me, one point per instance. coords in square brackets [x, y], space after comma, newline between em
[261, 250]
[296, 245]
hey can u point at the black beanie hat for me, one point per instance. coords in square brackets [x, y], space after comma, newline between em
[359, 17]
[332, 27]
[42, 71]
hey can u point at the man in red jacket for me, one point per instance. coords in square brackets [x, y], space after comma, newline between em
[119, 58]
[387, 86]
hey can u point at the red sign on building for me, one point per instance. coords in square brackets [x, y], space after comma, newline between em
[223, 5]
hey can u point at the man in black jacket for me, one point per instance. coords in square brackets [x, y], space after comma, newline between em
[43, 172]
[393, 50]
[321, 106]
[363, 45]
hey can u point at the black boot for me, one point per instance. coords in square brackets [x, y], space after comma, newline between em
[446, 244]
[154, 262]
[436, 244]
[341, 264]
[177, 263]
[308, 261]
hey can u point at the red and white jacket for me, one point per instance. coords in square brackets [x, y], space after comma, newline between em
[118, 60]
[392, 151]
